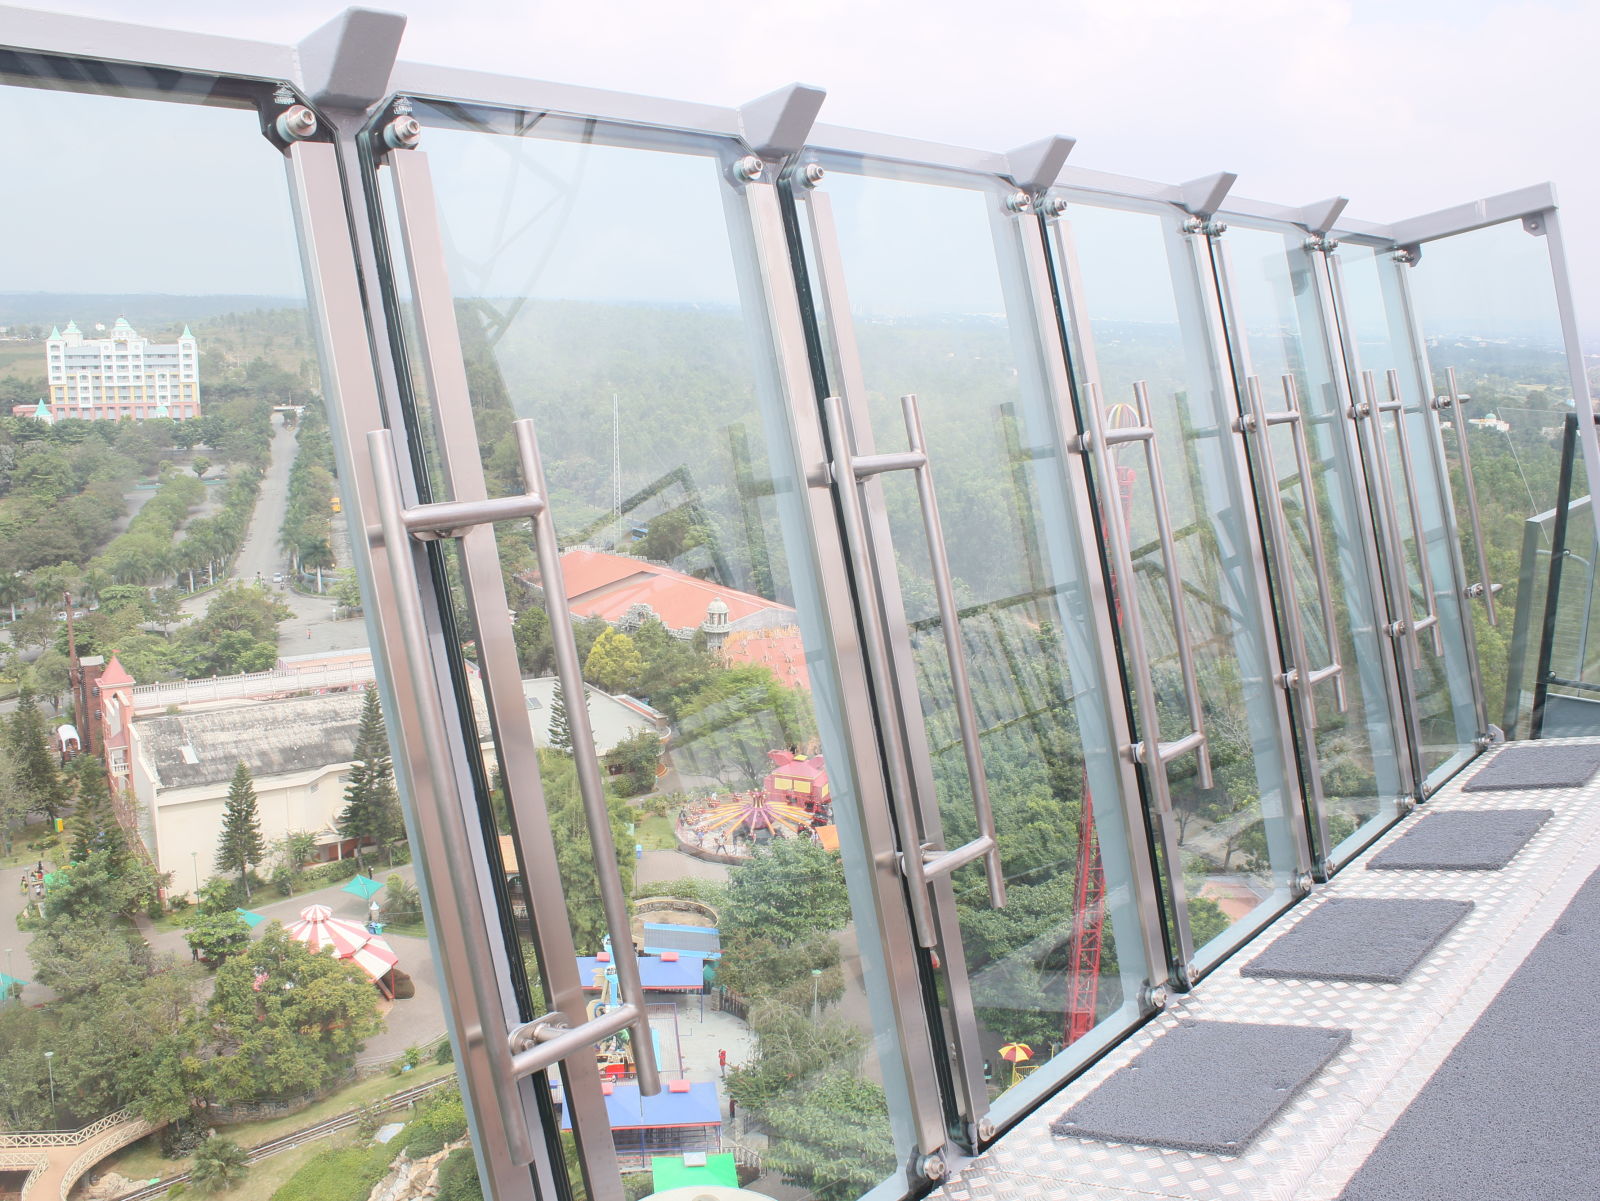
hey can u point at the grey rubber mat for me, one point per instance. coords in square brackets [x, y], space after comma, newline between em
[1464, 841]
[1511, 1114]
[1519, 767]
[1203, 1086]
[1367, 941]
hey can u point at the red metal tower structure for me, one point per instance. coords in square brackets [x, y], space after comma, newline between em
[1083, 985]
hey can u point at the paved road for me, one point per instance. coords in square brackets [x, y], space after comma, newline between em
[312, 628]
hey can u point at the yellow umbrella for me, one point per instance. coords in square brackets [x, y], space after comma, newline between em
[1015, 1053]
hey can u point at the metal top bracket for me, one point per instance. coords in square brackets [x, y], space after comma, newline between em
[1036, 167]
[1321, 217]
[1203, 197]
[779, 124]
[346, 63]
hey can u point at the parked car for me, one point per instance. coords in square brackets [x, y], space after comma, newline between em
[277, 577]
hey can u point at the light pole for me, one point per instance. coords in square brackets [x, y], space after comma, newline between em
[194, 857]
[816, 983]
[49, 1063]
[10, 977]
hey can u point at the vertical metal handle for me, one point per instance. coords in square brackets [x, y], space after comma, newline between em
[1400, 624]
[540, 1044]
[1453, 400]
[412, 626]
[591, 786]
[1150, 749]
[1256, 418]
[922, 863]
[1397, 405]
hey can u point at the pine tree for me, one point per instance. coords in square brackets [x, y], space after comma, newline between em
[371, 805]
[94, 821]
[241, 843]
[560, 728]
[37, 777]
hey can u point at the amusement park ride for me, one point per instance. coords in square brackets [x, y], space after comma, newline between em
[614, 1056]
[1083, 985]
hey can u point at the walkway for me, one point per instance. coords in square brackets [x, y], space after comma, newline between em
[59, 1158]
[1451, 1084]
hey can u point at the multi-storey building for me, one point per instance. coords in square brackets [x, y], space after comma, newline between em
[123, 375]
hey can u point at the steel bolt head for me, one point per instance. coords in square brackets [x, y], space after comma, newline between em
[933, 1167]
[296, 123]
[402, 133]
[812, 175]
[749, 168]
[1055, 206]
[1157, 997]
[985, 1129]
[1019, 202]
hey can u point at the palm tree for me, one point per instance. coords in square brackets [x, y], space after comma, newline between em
[12, 590]
[219, 1166]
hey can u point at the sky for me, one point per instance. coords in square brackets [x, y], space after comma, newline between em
[1405, 106]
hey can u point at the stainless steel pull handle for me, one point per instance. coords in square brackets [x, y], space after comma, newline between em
[1453, 400]
[922, 863]
[484, 987]
[1319, 554]
[1400, 623]
[591, 788]
[536, 1045]
[1396, 404]
[1150, 749]
[1257, 419]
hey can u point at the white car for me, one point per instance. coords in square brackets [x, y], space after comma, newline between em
[277, 577]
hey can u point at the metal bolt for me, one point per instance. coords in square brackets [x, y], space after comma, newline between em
[933, 1167]
[1055, 206]
[985, 1130]
[811, 174]
[296, 123]
[1406, 257]
[1019, 202]
[1155, 997]
[1303, 883]
[402, 133]
[748, 169]
[1194, 226]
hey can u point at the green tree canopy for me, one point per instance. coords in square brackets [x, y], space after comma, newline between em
[613, 662]
[790, 890]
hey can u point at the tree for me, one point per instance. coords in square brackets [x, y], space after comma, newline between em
[347, 591]
[632, 762]
[372, 807]
[560, 727]
[94, 822]
[791, 889]
[833, 1138]
[29, 743]
[284, 1021]
[240, 843]
[613, 661]
[220, 1166]
[215, 936]
[201, 465]
[569, 824]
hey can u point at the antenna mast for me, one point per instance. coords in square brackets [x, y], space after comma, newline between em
[616, 468]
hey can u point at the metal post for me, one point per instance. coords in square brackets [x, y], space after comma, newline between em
[1552, 592]
[50, 1066]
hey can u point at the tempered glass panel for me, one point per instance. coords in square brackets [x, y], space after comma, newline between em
[1355, 750]
[1441, 681]
[195, 699]
[1139, 292]
[953, 328]
[630, 330]
[1487, 304]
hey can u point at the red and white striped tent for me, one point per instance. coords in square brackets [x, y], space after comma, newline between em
[318, 928]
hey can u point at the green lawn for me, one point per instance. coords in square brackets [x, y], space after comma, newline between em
[655, 833]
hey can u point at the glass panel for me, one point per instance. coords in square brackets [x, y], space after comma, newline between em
[631, 333]
[1487, 304]
[1376, 324]
[1139, 293]
[193, 686]
[1354, 750]
[954, 329]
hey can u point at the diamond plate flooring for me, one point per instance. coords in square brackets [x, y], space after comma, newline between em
[1402, 1032]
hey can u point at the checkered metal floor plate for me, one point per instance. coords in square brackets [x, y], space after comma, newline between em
[1401, 1032]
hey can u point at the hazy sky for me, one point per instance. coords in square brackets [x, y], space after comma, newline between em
[1403, 105]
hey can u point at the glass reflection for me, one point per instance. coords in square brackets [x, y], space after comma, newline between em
[627, 331]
